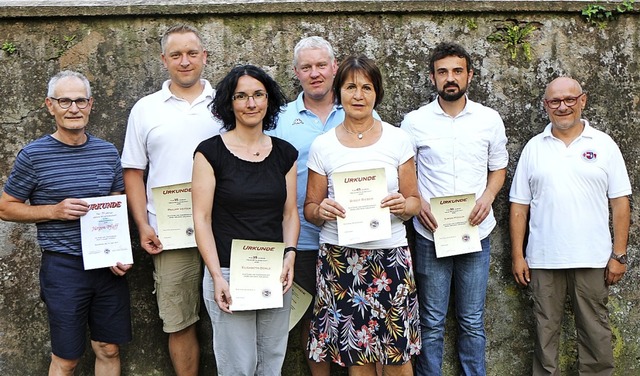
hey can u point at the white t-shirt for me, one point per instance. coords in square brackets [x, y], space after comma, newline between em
[567, 189]
[454, 154]
[327, 155]
[163, 132]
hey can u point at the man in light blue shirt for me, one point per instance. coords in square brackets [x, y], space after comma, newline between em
[313, 113]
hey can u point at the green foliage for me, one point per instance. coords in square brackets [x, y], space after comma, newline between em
[9, 47]
[471, 24]
[600, 16]
[514, 37]
[64, 44]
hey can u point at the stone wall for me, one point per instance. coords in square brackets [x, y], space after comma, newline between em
[116, 46]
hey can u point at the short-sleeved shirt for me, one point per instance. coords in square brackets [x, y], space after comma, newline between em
[454, 154]
[249, 197]
[567, 189]
[328, 155]
[48, 171]
[300, 127]
[162, 134]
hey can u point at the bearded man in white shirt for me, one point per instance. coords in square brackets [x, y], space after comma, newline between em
[461, 149]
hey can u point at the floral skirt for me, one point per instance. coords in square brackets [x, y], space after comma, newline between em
[366, 307]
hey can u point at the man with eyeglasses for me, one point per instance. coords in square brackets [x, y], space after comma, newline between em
[163, 132]
[566, 179]
[461, 149]
[55, 173]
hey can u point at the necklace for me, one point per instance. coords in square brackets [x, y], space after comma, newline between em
[256, 154]
[360, 134]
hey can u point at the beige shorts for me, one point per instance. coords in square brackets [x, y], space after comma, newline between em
[178, 277]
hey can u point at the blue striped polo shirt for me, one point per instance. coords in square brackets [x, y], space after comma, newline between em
[48, 171]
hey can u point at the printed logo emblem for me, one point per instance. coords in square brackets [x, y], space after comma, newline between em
[298, 121]
[466, 238]
[266, 293]
[374, 223]
[589, 156]
[189, 231]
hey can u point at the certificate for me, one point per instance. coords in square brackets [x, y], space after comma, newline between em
[175, 219]
[254, 276]
[454, 235]
[359, 193]
[104, 232]
[300, 300]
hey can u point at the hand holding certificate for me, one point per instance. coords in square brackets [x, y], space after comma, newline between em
[105, 232]
[455, 235]
[254, 280]
[360, 193]
[175, 219]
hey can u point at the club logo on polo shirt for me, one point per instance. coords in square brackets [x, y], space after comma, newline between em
[298, 121]
[589, 156]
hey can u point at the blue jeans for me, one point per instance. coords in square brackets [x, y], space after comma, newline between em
[470, 273]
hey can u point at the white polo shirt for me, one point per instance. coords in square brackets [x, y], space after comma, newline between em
[454, 154]
[162, 134]
[568, 189]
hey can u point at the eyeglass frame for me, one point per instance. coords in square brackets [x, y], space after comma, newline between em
[561, 101]
[234, 97]
[72, 102]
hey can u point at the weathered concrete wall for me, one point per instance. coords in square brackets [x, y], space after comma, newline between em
[117, 48]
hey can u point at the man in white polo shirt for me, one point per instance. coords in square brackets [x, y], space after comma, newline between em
[566, 178]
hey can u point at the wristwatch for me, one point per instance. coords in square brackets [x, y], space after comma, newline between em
[619, 258]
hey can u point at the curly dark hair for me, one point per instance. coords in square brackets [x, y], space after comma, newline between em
[448, 49]
[361, 64]
[222, 105]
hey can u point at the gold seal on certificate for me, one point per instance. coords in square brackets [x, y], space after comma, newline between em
[104, 232]
[455, 235]
[360, 193]
[175, 219]
[254, 275]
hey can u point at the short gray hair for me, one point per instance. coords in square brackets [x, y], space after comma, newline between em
[313, 42]
[53, 82]
[179, 29]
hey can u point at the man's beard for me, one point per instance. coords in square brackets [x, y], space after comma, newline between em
[452, 97]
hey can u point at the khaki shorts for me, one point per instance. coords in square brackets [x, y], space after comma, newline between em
[178, 277]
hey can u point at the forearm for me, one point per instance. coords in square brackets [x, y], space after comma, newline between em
[25, 213]
[495, 181]
[291, 229]
[517, 229]
[621, 214]
[136, 196]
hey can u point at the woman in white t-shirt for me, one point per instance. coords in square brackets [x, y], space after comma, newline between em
[366, 309]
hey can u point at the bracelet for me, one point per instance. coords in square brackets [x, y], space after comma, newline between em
[291, 249]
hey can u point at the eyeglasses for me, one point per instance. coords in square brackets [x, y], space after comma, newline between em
[568, 101]
[67, 102]
[258, 97]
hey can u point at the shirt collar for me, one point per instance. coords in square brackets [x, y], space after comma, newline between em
[207, 92]
[469, 107]
[300, 104]
[588, 130]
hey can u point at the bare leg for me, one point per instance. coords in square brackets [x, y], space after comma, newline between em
[185, 351]
[403, 370]
[107, 358]
[368, 369]
[62, 367]
[316, 368]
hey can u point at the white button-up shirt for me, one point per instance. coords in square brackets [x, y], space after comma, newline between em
[455, 154]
